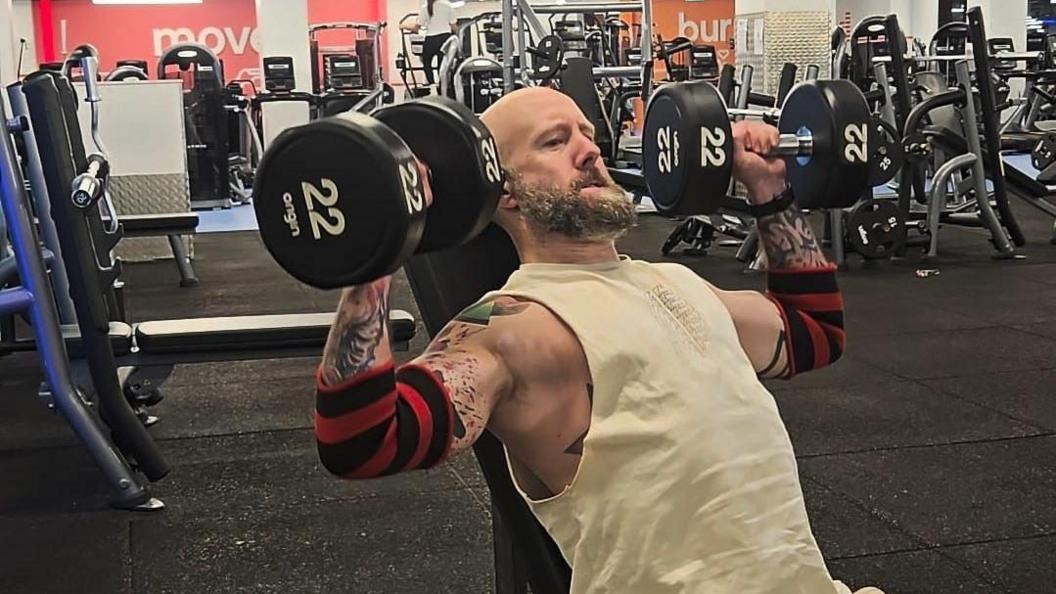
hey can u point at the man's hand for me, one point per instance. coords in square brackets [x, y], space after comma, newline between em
[764, 177]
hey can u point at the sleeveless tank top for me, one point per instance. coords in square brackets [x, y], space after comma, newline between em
[687, 482]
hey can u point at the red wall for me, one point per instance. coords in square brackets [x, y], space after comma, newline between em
[363, 11]
[143, 32]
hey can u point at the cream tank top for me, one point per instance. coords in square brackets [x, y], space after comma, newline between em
[688, 481]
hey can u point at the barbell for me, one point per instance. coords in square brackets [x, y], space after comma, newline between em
[827, 138]
[340, 201]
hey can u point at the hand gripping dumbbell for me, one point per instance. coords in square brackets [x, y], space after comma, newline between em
[340, 201]
[687, 153]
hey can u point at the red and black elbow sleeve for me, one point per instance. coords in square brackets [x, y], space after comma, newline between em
[383, 422]
[811, 307]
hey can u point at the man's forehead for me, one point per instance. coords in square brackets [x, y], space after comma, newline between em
[529, 106]
[521, 115]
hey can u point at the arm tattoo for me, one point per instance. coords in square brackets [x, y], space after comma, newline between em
[457, 373]
[452, 335]
[357, 332]
[772, 369]
[481, 313]
[458, 369]
[789, 241]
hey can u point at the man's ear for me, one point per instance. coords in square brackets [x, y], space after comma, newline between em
[507, 200]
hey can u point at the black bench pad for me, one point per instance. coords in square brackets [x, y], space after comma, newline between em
[176, 223]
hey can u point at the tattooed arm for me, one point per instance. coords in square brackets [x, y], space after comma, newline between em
[359, 339]
[373, 419]
[798, 325]
[469, 358]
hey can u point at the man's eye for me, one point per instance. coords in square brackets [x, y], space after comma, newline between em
[553, 142]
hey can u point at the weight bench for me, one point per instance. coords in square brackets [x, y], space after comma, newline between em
[236, 338]
[444, 283]
[172, 225]
[145, 353]
[153, 225]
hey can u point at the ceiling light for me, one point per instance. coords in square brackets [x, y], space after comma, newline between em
[132, 2]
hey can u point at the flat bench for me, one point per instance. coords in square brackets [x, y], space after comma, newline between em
[237, 338]
[154, 225]
[173, 225]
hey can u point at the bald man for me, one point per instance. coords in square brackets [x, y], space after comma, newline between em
[627, 394]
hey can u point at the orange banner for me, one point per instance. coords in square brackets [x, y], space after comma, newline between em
[701, 21]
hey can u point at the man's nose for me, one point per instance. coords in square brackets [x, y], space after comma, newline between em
[588, 154]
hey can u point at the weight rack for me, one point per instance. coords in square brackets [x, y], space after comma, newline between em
[527, 18]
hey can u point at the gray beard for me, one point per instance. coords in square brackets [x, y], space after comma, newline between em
[562, 211]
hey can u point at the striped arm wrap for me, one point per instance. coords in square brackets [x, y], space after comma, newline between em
[382, 422]
[811, 307]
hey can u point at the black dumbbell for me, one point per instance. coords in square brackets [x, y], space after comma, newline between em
[826, 131]
[340, 201]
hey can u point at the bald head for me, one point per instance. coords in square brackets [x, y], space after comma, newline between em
[557, 183]
[517, 119]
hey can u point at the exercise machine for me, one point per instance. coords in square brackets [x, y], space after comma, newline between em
[205, 118]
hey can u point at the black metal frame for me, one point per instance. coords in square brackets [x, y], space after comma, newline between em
[242, 337]
[912, 177]
[36, 299]
[991, 126]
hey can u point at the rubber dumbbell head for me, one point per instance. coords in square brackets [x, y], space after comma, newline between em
[465, 174]
[339, 201]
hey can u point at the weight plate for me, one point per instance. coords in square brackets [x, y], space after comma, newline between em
[687, 148]
[1044, 152]
[916, 148]
[885, 152]
[547, 57]
[463, 160]
[876, 228]
[835, 113]
[338, 201]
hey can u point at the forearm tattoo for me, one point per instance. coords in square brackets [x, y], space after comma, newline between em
[351, 347]
[789, 241]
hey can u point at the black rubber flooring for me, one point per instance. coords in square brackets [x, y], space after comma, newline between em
[928, 453]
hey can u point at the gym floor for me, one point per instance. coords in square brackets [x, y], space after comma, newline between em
[927, 454]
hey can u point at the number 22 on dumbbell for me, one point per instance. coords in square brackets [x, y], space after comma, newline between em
[711, 152]
[491, 160]
[667, 142]
[311, 193]
[412, 193]
[855, 135]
